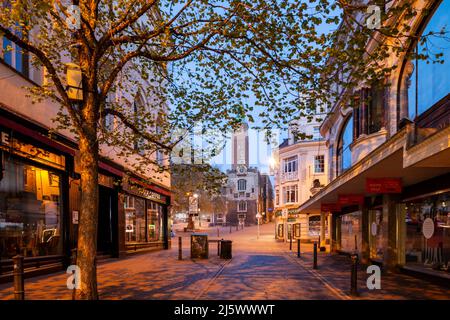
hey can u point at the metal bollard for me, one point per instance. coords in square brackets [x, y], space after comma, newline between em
[218, 247]
[298, 248]
[180, 249]
[290, 243]
[19, 290]
[230, 228]
[217, 232]
[354, 275]
[315, 256]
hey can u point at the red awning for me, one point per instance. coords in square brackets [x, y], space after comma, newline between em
[110, 169]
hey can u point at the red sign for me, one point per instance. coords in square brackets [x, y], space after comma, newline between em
[330, 207]
[349, 199]
[384, 185]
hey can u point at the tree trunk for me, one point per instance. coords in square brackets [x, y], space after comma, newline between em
[87, 232]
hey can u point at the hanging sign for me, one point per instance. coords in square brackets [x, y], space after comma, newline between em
[349, 199]
[384, 185]
[374, 229]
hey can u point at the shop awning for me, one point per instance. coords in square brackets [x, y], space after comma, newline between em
[384, 162]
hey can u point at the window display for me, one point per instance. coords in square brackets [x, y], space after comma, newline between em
[350, 225]
[432, 251]
[30, 211]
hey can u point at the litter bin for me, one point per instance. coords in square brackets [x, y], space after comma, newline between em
[225, 249]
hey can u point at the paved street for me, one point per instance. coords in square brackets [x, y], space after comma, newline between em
[260, 269]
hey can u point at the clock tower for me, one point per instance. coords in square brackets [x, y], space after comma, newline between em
[239, 144]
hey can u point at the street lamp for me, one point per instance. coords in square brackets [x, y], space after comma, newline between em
[258, 216]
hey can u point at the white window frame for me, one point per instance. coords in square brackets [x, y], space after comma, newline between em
[290, 192]
[239, 206]
[319, 162]
[290, 164]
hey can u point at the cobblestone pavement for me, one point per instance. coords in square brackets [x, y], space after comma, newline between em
[260, 269]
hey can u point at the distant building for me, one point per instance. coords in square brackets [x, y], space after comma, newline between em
[247, 192]
[300, 171]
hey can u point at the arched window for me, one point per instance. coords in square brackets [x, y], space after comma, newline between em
[242, 185]
[426, 82]
[344, 153]
[242, 206]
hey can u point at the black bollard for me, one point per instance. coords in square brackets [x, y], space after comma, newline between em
[315, 256]
[354, 275]
[290, 243]
[180, 249]
[298, 248]
[230, 228]
[19, 290]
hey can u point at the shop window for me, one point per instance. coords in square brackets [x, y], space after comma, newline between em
[351, 232]
[154, 222]
[30, 211]
[427, 81]
[432, 253]
[135, 219]
[314, 226]
[344, 153]
[319, 164]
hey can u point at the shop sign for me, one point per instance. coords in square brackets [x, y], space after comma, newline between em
[330, 207]
[428, 228]
[30, 151]
[349, 199]
[384, 185]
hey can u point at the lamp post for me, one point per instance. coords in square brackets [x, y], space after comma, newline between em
[258, 216]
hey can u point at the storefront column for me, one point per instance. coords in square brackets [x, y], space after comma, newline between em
[401, 233]
[338, 230]
[365, 245]
[390, 211]
[333, 232]
[121, 226]
[322, 229]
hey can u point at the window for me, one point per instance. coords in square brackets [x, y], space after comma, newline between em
[375, 113]
[30, 211]
[344, 153]
[319, 164]
[290, 164]
[242, 206]
[13, 55]
[277, 197]
[242, 185]
[316, 133]
[290, 194]
[427, 82]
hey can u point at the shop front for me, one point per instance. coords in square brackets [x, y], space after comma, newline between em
[145, 216]
[427, 242]
[33, 200]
